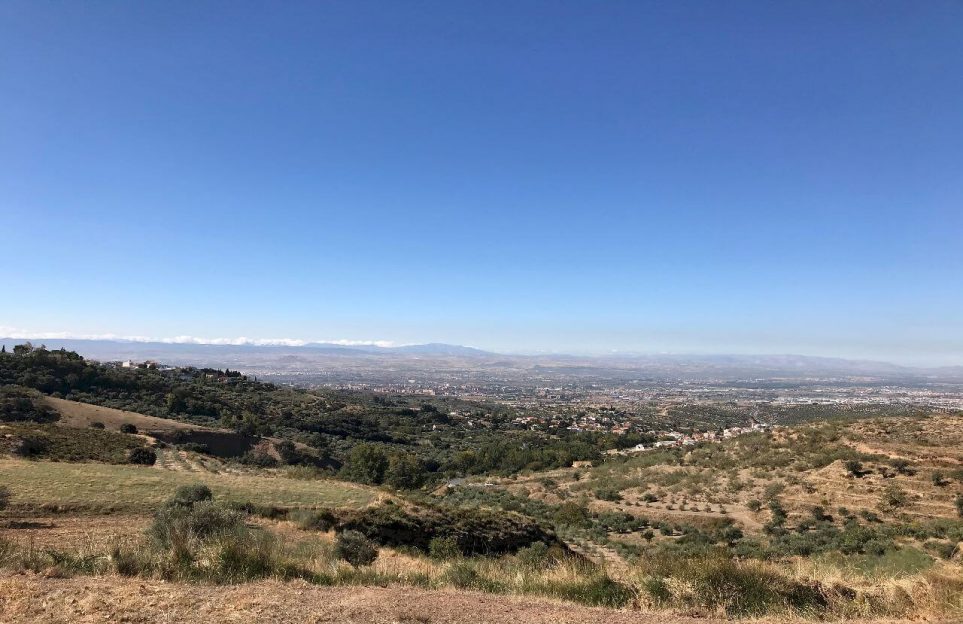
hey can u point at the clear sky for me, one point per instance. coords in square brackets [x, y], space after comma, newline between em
[743, 177]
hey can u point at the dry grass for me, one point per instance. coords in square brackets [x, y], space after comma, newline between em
[101, 488]
[39, 600]
[74, 414]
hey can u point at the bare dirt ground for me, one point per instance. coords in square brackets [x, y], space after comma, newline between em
[33, 598]
[86, 600]
[94, 533]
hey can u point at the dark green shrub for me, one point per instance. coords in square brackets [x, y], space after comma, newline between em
[355, 548]
[443, 548]
[97, 425]
[31, 446]
[128, 428]
[20, 404]
[535, 556]
[142, 455]
[573, 514]
[188, 495]
[463, 575]
[894, 497]
[902, 466]
[259, 458]
[405, 472]
[4, 497]
[367, 463]
[854, 467]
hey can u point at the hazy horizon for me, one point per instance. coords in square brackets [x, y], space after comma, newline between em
[294, 343]
[689, 177]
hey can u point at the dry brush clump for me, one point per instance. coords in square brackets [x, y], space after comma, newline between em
[715, 583]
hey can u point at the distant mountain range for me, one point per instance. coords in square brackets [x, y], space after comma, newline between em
[329, 358]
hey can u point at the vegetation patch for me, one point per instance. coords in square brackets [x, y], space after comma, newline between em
[55, 443]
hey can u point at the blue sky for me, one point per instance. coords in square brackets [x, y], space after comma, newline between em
[744, 177]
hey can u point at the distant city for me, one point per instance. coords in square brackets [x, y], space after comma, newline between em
[684, 396]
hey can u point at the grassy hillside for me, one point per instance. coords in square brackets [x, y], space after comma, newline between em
[76, 414]
[37, 486]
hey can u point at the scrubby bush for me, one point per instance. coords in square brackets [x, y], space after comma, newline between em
[443, 548]
[128, 428]
[321, 520]
[938, 478]
[367, 463]
[4, 497]
[902, 466]
[405, 472]
[259, 458]
[942, 549]
[893, 497]
[854, 467]
[177, 524]
[355, 548]
[475, 531]
[715, 581]
[19, 404]
[608, 493]
[959, 505]
[97, 425]
[194, 538]
[463, 575]
[31, 446]
[142, 455]
[573, 514]
[540, 556]
[188, 495]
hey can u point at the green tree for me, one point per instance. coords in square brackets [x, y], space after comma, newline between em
[405, 472]
[367, 463]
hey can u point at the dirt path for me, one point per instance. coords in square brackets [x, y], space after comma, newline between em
[35, 599]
